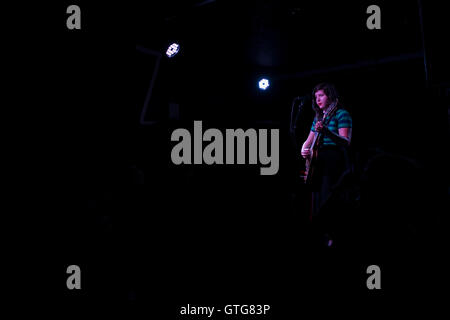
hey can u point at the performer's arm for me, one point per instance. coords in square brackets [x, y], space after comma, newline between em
[342, 139]
[307, 144]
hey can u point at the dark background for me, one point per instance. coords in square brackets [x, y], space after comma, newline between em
[145, 231]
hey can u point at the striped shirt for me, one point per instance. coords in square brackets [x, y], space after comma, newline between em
[341, 119]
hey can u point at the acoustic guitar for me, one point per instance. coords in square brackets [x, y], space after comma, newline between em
[317, 141]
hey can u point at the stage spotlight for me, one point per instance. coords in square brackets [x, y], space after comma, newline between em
[173, 50]
[264, 84]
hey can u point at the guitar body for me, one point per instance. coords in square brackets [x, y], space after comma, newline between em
[311, 161]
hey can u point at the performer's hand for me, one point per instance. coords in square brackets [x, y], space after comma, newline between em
[306, 152]
[319, 126]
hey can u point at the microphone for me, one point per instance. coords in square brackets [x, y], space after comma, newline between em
[301, 100]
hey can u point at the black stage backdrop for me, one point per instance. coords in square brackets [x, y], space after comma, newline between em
[98, 189]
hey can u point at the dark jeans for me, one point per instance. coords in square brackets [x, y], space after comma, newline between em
[332, 162]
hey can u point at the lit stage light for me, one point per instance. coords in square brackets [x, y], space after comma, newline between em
[264, 84]
[173, 50]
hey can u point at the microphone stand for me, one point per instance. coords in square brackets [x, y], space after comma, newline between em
[293, 122]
